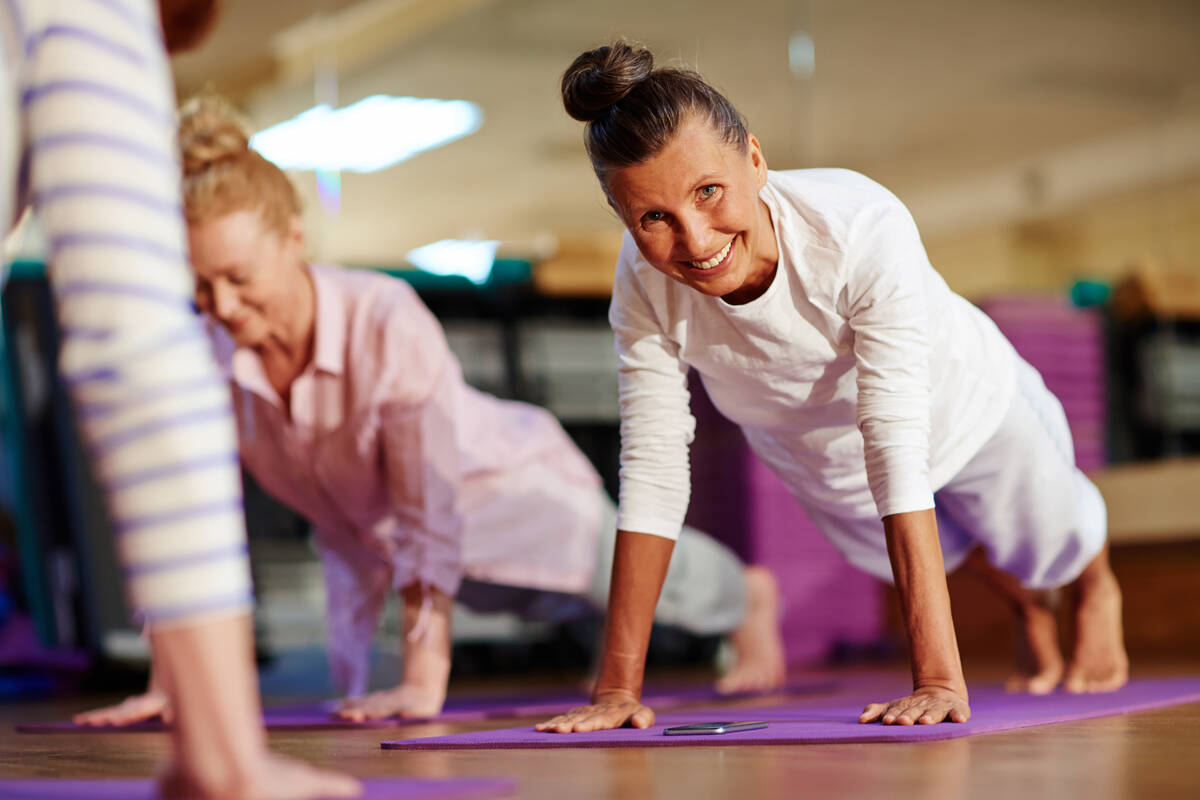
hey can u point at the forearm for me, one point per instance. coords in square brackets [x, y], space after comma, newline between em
[920, 576]
[639, 568]
[427, 631]
[208, 672]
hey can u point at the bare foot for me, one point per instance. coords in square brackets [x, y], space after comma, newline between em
[405, 701]
[757, 643]
[138, 708]
[273, 778]
[1099, 663]
[1039, 662]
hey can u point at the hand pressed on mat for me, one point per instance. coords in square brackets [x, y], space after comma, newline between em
[406, 701]
[925, 706]
[422, 693]
[607, 710]
[154, 704]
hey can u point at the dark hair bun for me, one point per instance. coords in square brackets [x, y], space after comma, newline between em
[598, 79]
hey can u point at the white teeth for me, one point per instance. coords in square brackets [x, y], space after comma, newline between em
[712, 262]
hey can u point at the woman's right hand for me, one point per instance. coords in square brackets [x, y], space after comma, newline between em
[139, 708]
[607, 710]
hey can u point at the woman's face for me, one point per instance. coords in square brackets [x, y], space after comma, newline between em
[694, 212]
[246, 274]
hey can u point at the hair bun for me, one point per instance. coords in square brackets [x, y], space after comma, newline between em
[210, 131]
[598, 79]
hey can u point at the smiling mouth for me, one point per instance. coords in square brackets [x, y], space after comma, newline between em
[716, 260]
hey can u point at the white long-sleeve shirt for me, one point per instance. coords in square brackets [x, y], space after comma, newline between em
[88, 113]
[858, 377]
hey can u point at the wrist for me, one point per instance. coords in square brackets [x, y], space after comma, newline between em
[615, 694]
[958, 684]
[621, 673]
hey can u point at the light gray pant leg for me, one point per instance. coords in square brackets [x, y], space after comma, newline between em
[705, 589]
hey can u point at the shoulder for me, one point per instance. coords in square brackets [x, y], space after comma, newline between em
[391, 342]
[831, 205]
[371, 300]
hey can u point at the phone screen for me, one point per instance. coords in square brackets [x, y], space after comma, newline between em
[713, 728]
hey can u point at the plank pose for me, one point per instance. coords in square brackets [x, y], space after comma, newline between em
[896, 413]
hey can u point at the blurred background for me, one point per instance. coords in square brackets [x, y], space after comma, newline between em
[1048, 149]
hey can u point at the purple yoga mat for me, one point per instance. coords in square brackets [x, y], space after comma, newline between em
[385, 789]
[825, 721]
[319, 716]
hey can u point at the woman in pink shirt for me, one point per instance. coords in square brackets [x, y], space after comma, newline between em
[352, 410]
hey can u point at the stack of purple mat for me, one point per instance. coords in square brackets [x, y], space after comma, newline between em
[826, 602]
[1066, 345]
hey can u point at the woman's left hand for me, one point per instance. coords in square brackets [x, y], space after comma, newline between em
[406, 701]
[925, 706]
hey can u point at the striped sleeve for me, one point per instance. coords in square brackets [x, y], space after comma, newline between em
[99, 109]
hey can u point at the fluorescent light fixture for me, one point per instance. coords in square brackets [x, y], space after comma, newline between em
[374, 133]
[471, 259]
[802, 55]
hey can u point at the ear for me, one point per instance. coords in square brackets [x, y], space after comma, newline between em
[757, 159]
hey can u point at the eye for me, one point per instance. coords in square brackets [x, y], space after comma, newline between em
[653, 216]
[709, 191]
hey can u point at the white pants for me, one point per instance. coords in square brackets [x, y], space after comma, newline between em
[1020, 498]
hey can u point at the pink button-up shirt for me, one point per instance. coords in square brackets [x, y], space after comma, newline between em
[408, 474]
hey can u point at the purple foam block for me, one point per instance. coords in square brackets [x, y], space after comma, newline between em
[319, 716]
[386, 789]
[836, 721]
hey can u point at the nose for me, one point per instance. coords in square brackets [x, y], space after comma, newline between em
[224, 299]
[692, 236]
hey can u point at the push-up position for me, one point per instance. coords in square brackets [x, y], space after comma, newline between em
[896, 413]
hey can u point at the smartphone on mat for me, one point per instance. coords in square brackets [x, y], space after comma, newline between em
[713, 728]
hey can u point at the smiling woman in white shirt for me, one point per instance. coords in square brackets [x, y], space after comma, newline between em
[895, 412]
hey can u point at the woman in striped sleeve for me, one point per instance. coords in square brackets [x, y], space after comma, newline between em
[89, 112]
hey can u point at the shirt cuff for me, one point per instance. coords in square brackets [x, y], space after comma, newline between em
[645, 523]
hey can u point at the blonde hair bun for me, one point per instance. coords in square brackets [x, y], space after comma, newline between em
[211, 131]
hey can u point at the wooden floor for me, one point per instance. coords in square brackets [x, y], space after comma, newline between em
[1154, 754]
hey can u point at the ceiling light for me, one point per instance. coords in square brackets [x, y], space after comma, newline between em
[374, 133]
[802, 55]
[469, 258]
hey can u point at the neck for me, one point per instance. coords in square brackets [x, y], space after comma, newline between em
[765, 262]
